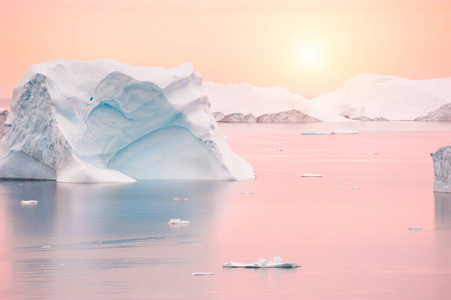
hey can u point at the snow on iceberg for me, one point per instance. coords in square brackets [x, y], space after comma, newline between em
[104, 121]
[250, 104]
[442, 169]
[262, 263]
[376, 97]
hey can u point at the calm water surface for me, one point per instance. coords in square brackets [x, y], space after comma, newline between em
[348, 230]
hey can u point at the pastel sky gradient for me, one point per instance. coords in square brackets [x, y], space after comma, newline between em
[306, 46]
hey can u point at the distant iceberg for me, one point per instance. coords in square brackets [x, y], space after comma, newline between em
[442, 169]
[443, 113]
[104, 121]
[366, 97]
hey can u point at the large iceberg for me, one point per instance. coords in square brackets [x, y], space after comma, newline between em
[104, 121]
[366, 97]
[393, 98]
[442, 169]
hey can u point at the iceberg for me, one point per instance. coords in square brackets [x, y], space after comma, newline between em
[442, 169]
[105, 121]
[29, 202]
[366, 97]
[379, 98]
[178, 222]
[443, 113]
[262, 263]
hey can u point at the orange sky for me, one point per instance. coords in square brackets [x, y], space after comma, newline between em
[262, 42]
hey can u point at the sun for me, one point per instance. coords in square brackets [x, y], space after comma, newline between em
[309, 55]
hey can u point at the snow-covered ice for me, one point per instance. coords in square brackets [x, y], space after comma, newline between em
[345, 131]
[442, 169]
[366, 97]
[315, 132]
[104, 121]
[178, 222]
[202, 273]
[262, 263]
[29, 202]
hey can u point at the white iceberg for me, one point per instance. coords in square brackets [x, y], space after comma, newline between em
[262, 263]
[345, 131]
[29, 202]
[366, 97]
[202, 273]
[178, 222]
[315, 132]
[311, 175]
[442, 169]
[104, 121]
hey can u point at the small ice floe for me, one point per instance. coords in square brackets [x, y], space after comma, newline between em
[28, 202]
[340, 187]
[414, 228]
[202, 273]
[345, 131]
[355, 188]
[262, 263]
[247, 193]
[177, 222]
[278, 149]
[311, 175]
[315, 132]
[46, 247]
[180, 199]
[371, 153]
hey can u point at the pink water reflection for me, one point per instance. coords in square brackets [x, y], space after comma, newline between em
[351, 243]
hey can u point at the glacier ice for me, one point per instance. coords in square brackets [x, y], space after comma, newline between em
[262, 263]
[366, 97]
[443, 113]
[442, 169]
[104, 121]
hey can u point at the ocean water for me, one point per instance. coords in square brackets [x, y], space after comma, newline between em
[348, 230]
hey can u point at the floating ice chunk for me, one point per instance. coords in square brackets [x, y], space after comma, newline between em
[177, 222]
[355, 188]
[315, 132]
[262, 263]
[247, 193]
[46, 247]
[28, 202]
[198, 245]
[345, 131]
[415, 228]
[278, 149]
[311, 175]
[340, 187]
[180, 199]
[202, 273]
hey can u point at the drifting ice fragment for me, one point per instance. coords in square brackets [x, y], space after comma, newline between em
[177, 221]
[28, 202]
[247, 193]
[355, 188]
[202, 273]
[180, 199]
[315, 132]
[46, 247]
[345, 131]
[278, 149]
[311, 175]
[415, 228]
[262, 263]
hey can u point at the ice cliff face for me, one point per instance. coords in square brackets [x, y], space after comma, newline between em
[443, 113]
[442, 169]
[107, 121]
[3, 116]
